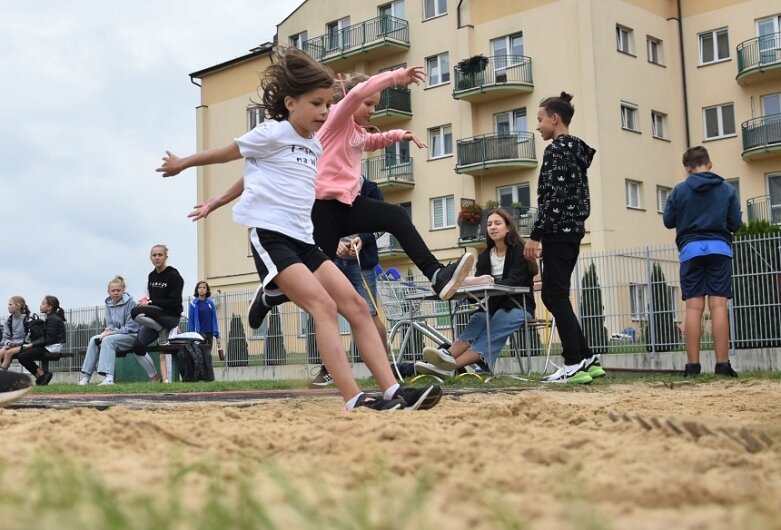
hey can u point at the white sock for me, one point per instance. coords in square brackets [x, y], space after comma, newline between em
[390, 391]
[147, 364]
[109, 378]
[350, 405]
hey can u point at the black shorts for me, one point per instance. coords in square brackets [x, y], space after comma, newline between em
[709, 275]
[274, 252]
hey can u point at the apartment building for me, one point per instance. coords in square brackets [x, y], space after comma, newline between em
[650, 77]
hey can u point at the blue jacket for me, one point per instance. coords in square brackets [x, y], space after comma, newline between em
[194, 323]
[703, 206]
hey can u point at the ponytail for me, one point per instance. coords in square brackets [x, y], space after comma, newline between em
[54, 302]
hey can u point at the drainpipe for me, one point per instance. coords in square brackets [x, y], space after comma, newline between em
[458, 14]
[192, 80]
[683, 77]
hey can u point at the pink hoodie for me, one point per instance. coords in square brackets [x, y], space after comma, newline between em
[343, 140]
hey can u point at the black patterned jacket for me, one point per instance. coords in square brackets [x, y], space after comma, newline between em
[562, 191]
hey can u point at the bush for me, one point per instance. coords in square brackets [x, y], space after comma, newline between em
[238, 349]
[662, 315]
[592, 312]
[275, 342]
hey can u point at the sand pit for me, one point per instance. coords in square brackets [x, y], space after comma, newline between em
[500, 460]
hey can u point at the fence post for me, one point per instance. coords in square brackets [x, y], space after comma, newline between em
[226, 326]
[578, 294]
[731, 313]
[650, 313]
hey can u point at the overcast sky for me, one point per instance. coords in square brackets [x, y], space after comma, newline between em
[92, 93]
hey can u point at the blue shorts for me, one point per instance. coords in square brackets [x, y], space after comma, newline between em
[709, 275]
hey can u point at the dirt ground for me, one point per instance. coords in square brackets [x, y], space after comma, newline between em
[640, 456]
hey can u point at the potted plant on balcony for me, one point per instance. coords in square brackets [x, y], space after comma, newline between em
[471, 69]
[469, 220]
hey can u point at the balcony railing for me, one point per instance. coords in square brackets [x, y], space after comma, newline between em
[357, 38]
[757, 56]
[390, 173]
[764, 208]
[388, 245]
[395, 105]
[514, 150]
[761, 136]
[501, 73]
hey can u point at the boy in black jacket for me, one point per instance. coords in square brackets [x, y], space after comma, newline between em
[563, 204]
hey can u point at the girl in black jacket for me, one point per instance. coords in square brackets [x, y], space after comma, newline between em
[49, 345]
[502, 262]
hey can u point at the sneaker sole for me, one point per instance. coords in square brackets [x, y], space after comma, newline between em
[439, 359]
[597, 371]
[431, 369]
[461, 272]
[255, 300]
[428, 400]
[581, 378]
[6, 398]
[318, 384]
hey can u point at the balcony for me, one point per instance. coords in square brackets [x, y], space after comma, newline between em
[764, 208]
[388, 246]
[759, 59]
[500, 76]
[496, 153]
[394, 107]
[390, 173]
[761, 137]
[365, 41]
[524, 217]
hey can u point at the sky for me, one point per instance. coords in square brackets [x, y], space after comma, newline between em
[93, 92]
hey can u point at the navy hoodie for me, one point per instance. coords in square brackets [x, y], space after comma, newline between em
[562, 191]
[703, 206]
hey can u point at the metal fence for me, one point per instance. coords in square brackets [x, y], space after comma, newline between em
[628, 301]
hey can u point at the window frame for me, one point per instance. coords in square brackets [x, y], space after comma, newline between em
[502, 64]
[720, 117]
[714, 34]
[628, 106]
[661, 117]
[660, 190]
[638, 185]
[514, 116]
[443, 135]
[442, 71]
[300, 37]
[638, 301]
[652, 42]
[436, 5]
[255, 112]
[630, 40]
[449, 221]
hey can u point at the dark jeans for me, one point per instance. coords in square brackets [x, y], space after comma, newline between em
[333, 220]
[558, 262]
[28, 357]
[147, 336]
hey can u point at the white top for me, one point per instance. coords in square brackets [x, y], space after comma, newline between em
[279, 180]
[497, 265]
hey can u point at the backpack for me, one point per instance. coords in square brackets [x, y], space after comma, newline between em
[37, 327]
[193, 364]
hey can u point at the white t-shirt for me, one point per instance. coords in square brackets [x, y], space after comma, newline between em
[279, 180]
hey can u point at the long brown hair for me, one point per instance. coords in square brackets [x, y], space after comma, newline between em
[54, 302]
[295, 73]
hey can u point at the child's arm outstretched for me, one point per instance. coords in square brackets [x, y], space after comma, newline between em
[202, 211]
[173, 165]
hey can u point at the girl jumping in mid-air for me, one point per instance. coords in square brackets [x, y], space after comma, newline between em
[279, 190]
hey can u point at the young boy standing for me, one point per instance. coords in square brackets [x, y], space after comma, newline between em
[564, 205]
[705, 212]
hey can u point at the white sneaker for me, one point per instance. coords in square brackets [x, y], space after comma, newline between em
[570, 373]
[422, 367]
[106, 382]
[440, 358]
[166, 380]
[84, 380]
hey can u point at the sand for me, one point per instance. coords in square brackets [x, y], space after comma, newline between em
[600, 457]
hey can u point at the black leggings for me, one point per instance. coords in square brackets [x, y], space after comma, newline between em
[147, 335]
[28, 356]
[333, 220]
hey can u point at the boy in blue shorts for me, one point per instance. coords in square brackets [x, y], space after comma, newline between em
[705, 212]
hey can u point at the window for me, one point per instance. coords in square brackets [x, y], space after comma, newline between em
[774, 190]
[397, 154]
[434, 8]
[394, 9]
[511, 122]
[507, 51]
[769, 39]
[516, 194]
[655, 50]
[336, 33]
[443, 212]
[624, 37]
[637, 297]
[634, 191]
[438, 68]
[771, 105]
[735, 184]
[298, 40]
[255, 116]
[440, 141]
[719, 121]
[629, 116]
[662, 194]
[659, 124]
[714, 46]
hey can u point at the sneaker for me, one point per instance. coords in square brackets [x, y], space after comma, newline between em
[84, 380]
[155, 378]
[166, 380]
[419, 398]
[449, 278]
[162, 337]
[725, 369]
[406, 369]
[692, 370]
[573, 374]
[45, 379]
[594, 368]
[378, 402]
[424, 368]
[439, 358]
[322, 378]
[13, 386]
[106, 382]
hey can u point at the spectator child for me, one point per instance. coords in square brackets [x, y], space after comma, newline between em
[51, 342]
[202, 315]
[15, 330]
